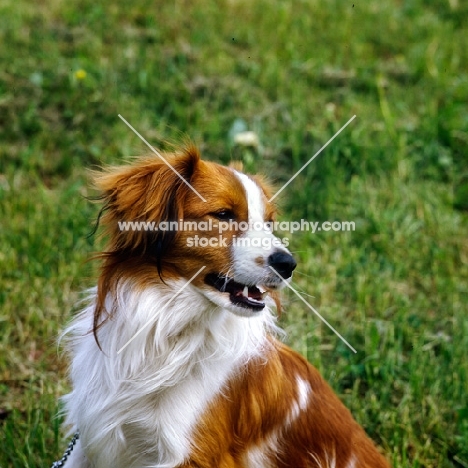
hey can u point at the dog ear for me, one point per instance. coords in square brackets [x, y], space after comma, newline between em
[140, 196]
[150, 190]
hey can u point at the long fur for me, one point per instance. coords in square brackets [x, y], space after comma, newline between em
[176, 375]
[155, 388]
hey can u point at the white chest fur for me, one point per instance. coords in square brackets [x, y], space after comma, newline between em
[139, 407]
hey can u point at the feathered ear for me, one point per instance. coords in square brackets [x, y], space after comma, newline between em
[148, 191]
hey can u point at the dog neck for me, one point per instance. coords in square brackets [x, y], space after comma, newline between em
[165, 354]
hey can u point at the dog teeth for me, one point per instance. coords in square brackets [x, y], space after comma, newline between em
[245, 292]
[261, 289]
[251, 299]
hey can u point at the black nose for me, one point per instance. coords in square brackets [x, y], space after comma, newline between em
[283, 263]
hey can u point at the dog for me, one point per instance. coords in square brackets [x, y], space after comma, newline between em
[174, 359]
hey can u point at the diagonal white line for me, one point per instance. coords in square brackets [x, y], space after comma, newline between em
[170, 300]
[312, 158]
[157, 153]
[313, 310]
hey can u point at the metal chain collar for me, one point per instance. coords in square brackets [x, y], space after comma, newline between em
[70, 447]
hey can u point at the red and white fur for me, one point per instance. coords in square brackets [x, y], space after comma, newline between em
[205, 383]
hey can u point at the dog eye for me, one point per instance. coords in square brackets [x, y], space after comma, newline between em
[224, 215]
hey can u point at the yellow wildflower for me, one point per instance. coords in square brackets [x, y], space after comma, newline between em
[80, 74]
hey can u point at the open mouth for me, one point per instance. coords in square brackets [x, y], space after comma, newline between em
[249, 297]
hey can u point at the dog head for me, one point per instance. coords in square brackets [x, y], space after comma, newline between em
[168, 217]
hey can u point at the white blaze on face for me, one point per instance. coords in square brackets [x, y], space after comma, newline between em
[255, 245]
[255, 203]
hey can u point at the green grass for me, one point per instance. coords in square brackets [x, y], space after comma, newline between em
[294, 72]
